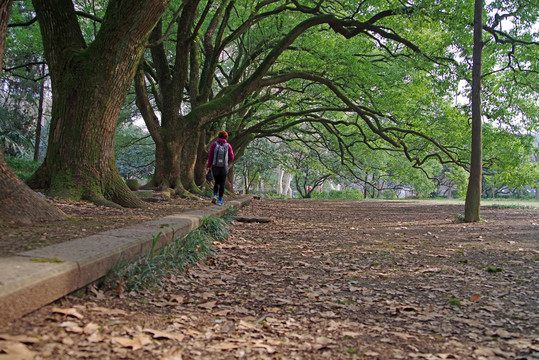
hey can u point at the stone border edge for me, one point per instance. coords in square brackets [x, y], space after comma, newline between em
[33, 279]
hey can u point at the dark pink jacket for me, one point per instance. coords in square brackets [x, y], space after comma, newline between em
[212, 147]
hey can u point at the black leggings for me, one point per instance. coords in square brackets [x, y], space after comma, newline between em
[219, 174]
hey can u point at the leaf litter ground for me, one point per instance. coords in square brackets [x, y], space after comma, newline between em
[323, 280]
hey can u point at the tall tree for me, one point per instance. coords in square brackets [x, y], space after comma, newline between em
[473, 194]
[90, 82]
[18, 203]
[218, 63]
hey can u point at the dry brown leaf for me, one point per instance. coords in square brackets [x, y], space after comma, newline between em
[67, 341]
[322, 340]
[136, 343]
[157, 334]
[177, 298]
[225, 346]
[351, 334]
[172, 354]
[98, 293]
[69, 312]
[13, 350]
[90, 328]
[71, 326]
[95, 338]
[208, 305]
[371, 353]
[222, 312]
[208, 295]
[270, 349]
[19, 338]
[475, 297]
[402, 335]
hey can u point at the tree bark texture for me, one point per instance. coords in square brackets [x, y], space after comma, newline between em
[18, 203]
[89, 85]
[188, 162]
[39, 120]
[201, 160]
[473, 194]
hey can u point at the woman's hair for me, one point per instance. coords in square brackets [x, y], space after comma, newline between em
[223, 135]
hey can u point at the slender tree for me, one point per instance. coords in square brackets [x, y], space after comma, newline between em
[473, 194]
[18, 203]
[90, 82]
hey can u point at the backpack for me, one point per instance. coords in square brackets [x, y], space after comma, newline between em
[220, 155]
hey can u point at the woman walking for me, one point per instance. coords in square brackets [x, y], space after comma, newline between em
[219, 159]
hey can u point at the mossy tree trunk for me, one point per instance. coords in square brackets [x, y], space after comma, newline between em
[202, 159]
[89, 84]
[18, 203]
[188, 162]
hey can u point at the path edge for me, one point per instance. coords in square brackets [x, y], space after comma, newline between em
[35, 278]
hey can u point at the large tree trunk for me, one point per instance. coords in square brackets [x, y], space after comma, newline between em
[89, 87]
[18, 203]
[202, 160]
[473, 194]
[188, 162]
[167, 162]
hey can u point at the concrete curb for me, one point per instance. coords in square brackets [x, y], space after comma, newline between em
[38, 277]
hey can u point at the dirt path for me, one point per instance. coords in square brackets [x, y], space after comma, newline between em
[324, 280]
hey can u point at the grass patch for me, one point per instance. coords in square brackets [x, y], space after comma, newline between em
[23, 168]
[454, 301]
[47, 260]
[493, 269]
[510, 206]
[459, 217]
[148, 271]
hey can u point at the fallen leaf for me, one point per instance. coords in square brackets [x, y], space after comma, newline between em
[172, 354]
[177, 298]
[371, 353]
[322, 340]
[67, 341]
[12, 350]
[475, 297]
[223, 312]
[136, 343]
[208, 295]
[403, 336]
[208, 305]
[71, 326]
[270, 349]
[351, 334]
[98, 293]
[90, 328]
[19, 338]
[157, 334]
[95, 338]
[225, 346]
[68, 312]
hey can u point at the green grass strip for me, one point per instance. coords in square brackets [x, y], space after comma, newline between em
[148, 271]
